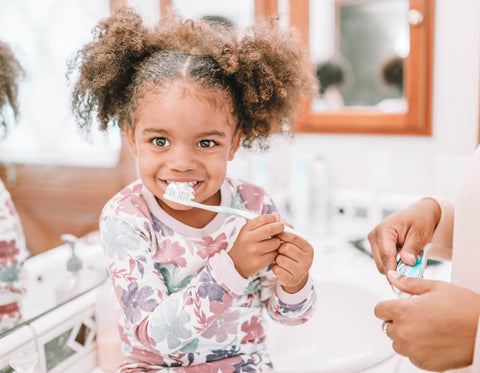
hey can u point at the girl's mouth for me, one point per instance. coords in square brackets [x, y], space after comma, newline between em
[191, 184]
[195, 185]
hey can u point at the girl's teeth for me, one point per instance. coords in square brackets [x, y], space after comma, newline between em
[190, 183]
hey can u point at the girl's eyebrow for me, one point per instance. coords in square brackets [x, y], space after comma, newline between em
[158, 131]
[212, 133]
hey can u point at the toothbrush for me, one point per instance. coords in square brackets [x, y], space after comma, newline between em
[182, 193]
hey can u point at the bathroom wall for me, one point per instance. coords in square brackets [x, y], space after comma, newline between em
[406, 164]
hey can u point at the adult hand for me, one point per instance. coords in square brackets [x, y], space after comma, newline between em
[256, 245]
[407, 231]
[294, 259]
[436, 329]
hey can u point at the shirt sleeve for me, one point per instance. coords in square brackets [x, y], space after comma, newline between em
[286, 308]
[442, 239]
[165, 315]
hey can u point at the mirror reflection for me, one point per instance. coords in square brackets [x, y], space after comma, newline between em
[38, 128]
[359, 47]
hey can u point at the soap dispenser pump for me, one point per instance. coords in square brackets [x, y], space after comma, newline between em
[72, 284]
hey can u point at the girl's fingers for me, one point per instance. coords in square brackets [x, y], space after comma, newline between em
[298, 241]
[291, 251]
[269, 245]
[261, 221]
[280, 272]
[288, 264]
[269, 257]
[265, 226]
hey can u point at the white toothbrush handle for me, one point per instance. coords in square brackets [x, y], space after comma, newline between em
[241, 213]
[249, 216]
[224, 210]
[231, 211]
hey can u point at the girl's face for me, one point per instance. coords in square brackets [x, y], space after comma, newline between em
[180, 136]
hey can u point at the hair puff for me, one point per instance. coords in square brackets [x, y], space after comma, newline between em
[267, 70]
[10, 72]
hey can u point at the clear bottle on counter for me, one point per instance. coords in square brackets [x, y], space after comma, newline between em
[72, 284]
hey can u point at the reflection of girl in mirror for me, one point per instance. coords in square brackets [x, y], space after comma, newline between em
[12, 241]
[192, 284]
[392, 77]
[331, 76]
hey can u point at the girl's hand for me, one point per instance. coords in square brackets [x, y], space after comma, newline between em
[407, 231]
[436, 330]
[256, 245]
[294, 259]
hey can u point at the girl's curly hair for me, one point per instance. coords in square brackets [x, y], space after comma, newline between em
[265, 72]
[10, 72]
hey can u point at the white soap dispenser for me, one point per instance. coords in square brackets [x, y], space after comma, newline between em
[72, 284]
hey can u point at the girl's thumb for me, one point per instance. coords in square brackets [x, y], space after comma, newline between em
[410, 285]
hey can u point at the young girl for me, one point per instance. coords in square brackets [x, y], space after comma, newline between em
[13, 250]
[192, 284]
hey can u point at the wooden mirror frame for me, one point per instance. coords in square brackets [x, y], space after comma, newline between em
[418, 73]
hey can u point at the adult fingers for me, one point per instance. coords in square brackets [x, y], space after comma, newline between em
[389, 309]
[384, 248]
[410, 285]
[414, 242]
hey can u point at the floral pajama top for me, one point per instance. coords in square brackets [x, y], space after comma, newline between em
[185, 307]
[13, 252]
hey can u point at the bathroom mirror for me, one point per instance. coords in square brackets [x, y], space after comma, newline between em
[45, 280]
[373, 59]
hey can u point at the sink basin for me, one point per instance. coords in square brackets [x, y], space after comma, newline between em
[343, 336]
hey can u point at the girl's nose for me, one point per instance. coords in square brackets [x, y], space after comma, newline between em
[182, 159]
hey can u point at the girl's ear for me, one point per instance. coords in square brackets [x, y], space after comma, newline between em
[130, 135]
[235, 144]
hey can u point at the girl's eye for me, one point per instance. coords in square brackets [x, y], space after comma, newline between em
[160, 141]
[207, 143]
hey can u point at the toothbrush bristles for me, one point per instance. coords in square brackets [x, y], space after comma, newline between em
[173, 191]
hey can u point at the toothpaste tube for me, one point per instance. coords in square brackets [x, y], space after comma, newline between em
[412, 271]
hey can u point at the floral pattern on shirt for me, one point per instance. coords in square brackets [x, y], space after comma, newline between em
[179, 315]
